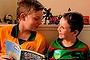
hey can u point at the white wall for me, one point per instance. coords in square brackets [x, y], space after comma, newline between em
[85, 35]
[61, 6]
[7, 7]
[57, 6]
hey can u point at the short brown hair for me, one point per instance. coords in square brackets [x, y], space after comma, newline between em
[28, 6]
[75, 20]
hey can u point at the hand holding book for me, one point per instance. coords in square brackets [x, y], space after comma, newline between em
[14, 50]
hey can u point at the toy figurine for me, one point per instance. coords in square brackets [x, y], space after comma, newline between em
[69, 10]
[86, 20]
[8, 19]
[47, 14]
[54, 20]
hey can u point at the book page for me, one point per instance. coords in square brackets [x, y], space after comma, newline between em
[31, 55]
[13, 50]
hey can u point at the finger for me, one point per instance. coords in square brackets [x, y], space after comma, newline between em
[3, 58]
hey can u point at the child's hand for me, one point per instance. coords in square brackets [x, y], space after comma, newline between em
[6, 57]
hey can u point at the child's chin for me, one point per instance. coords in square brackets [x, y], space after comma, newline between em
[33, 30]
[60, 37]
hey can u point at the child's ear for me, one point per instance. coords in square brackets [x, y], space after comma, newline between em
[22, 16]
[76, 32]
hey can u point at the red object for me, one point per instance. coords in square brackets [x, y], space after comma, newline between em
[88, 59]
[52, 59]
[86, 19]
[53, 18]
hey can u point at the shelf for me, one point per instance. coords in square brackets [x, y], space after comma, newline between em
[50, 32]
[49, 27]
[86, 28]
[54, 27]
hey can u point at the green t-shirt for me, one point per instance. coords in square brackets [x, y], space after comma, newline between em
[77, 51]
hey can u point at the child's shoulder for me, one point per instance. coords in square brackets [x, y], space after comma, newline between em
[9, 27]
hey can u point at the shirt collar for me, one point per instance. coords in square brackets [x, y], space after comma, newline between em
[15, 30]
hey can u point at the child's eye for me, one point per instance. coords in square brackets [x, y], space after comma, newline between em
[62, 27]
[36, 18]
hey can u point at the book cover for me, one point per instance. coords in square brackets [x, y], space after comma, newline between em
[14, 50]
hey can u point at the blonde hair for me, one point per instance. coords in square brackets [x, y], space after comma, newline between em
[28, 6]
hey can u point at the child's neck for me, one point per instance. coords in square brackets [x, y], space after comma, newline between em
[24, 35]
[68, 43]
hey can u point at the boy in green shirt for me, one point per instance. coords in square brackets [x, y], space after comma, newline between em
[68, 46]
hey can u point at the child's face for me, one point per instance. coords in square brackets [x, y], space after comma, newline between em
[64, 30]
[33, 20]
